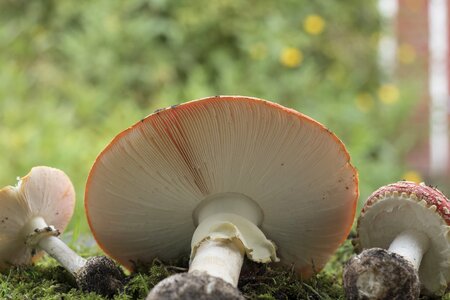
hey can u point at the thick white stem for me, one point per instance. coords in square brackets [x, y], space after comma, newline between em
[412, 245]
[228, 228]
[39, 234]
[221, 259]
[57, 249]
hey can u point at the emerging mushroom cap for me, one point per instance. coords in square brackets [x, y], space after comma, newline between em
[406, 205]
[144, 188]
[45, 192]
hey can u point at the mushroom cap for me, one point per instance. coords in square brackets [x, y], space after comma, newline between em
[406, 205]
[44, 192]
[144, 187]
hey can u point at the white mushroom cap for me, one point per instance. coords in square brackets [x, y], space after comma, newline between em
[402, 206]
[45, 192]
[144, 188]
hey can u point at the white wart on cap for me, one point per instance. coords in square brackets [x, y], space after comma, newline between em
[33, 214]
[407, 225]
[242, 172]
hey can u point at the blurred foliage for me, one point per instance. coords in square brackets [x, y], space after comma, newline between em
[73, 74]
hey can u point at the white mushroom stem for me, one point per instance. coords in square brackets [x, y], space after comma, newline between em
[412, 245]
[57, 249]
[227, 230]
[220, 259]
[40, 235]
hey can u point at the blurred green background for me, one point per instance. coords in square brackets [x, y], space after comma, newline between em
[73, 74]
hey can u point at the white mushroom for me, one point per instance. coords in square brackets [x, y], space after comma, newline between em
[405, 230]
[33, 214]
[229, 175]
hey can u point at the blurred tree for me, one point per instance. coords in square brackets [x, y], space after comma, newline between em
[75, 73]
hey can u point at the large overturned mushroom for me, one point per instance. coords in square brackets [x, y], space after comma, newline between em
[223, 177]
[404, 230]
[33, 214]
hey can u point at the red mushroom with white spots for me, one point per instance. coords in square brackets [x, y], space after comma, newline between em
[32, 216]
[224, 177]
[405, 229]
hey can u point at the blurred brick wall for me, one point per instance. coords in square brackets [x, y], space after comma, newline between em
[412, 31]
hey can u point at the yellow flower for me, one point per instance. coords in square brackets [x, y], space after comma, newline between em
[364, 102]
[291, 57]
[388, 93]
[314, 24]
[413, 176]
[406, 54]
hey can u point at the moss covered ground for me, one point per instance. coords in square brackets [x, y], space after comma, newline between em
[46, 280]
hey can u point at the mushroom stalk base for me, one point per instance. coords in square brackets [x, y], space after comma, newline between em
[378, 274]
[412, 245]
[221, 259]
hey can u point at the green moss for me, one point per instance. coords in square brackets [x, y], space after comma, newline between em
[46, 280]
[146, 277]
[272, 282]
